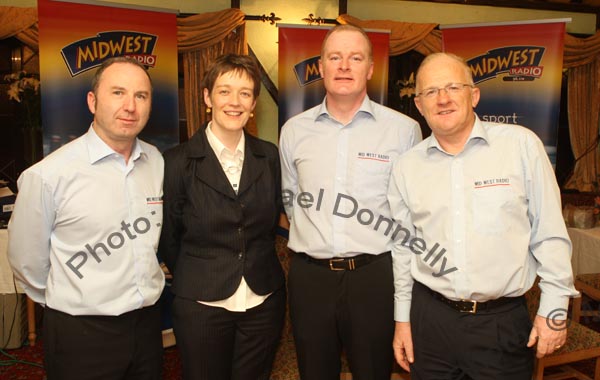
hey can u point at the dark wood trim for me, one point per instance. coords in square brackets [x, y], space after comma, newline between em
[573, 6]
[342, 7]
[235, 4]
[265, 79]
[527, 4]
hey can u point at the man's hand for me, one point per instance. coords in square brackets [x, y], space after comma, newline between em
[403, 346]
[548, 339]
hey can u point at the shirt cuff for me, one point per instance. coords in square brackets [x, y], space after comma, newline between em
[553, 307]
[402, 311]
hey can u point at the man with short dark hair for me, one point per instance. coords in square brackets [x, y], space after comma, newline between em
[84, 233]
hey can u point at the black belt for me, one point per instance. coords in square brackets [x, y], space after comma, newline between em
[345, 263]
[473, 307]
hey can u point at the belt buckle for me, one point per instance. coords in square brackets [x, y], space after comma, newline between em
[331, 267]
[473, 307]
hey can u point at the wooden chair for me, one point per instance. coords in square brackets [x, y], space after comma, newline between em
[582, 343]
[588, 284]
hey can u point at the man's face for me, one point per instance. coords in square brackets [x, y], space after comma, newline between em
[345, 64]
[447, 114]
[121, 104]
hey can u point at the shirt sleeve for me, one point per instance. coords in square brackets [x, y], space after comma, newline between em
[549, 242]
[29, 232]
[289, 175]
[401, 255]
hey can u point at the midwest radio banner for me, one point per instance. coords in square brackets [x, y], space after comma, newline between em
[76, 38]
[518, 67]
[300, 83]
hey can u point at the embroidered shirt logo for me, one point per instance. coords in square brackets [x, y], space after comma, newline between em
[154, 200]
[373, 156]
[491, 182]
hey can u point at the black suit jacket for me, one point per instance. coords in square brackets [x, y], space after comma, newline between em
[211, 236]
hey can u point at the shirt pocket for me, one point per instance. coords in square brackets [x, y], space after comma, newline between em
[371, 179]
[490, 206]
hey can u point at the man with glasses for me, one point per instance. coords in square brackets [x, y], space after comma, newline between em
[481, 218]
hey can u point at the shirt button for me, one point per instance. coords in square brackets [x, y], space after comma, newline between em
[240, 255]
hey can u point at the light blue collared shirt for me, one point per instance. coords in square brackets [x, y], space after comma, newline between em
[480, 224]
[335, 178]
[84, 232]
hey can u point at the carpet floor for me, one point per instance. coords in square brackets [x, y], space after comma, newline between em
[25, 363]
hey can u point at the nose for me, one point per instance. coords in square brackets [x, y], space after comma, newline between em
[443, 95]
[345, 64]
[129, 103]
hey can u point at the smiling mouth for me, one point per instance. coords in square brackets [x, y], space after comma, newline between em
[233, 113]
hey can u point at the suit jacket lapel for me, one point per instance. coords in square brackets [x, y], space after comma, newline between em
[254, 164]
[207, 167]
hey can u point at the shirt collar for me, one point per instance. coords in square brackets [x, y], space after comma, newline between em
[365, 107]
[477, 133]
[218, 147]
[99, 150]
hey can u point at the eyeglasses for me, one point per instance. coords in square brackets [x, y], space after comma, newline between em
[451, 89]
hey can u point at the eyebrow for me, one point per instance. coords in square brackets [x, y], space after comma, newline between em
[228, 86]
[125, 89]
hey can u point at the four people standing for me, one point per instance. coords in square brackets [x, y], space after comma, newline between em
[498, 221]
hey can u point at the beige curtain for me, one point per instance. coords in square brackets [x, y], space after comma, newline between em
[201, 38]
[405, 36]
[581, 57]
[20, 23]
[584, 98]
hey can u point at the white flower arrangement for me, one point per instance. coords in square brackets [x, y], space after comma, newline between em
[22, 84]
[25, 90]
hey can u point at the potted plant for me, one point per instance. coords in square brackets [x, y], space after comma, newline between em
[25, 91]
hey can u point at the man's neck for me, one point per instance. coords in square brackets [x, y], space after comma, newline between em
[344, 108]
[454, 144]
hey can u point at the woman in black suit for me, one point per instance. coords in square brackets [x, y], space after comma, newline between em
[222, 201]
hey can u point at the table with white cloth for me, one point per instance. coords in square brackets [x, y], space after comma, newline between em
[8, 285]
[586, 250]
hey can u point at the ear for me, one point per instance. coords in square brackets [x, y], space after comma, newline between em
[475, 94]
[91, 102]
[370, 74]
[418, 104]
[321, 67]
[207, 98]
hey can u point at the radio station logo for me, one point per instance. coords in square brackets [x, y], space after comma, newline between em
[307, 71]
[88, 53]
[514, 63]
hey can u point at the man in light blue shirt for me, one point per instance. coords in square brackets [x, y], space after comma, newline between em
[481, 218]
[84, 233]
[336, 163]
